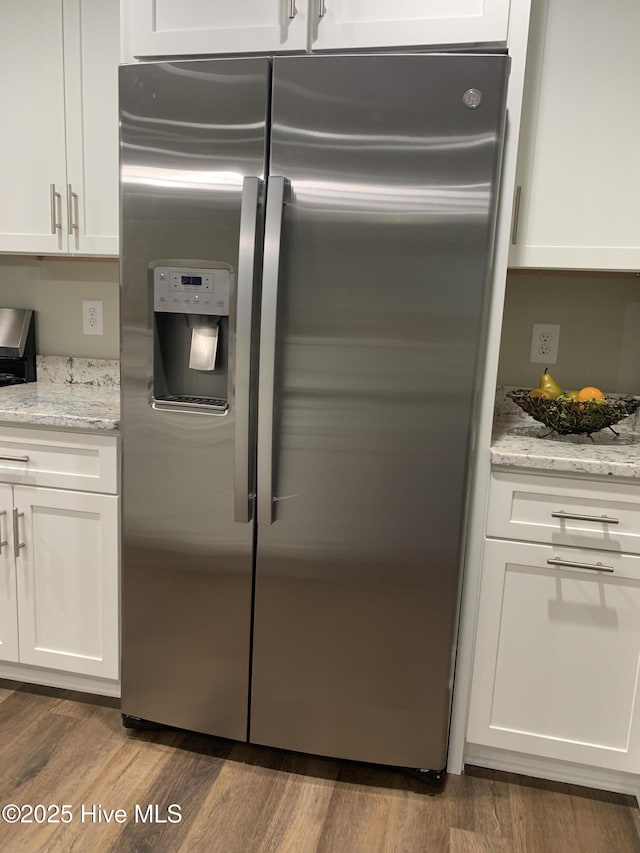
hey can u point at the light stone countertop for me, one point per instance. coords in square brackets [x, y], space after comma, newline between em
[71, 393]
[88, 407]
[520, 442]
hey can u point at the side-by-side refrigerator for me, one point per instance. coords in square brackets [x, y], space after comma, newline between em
[306, 250]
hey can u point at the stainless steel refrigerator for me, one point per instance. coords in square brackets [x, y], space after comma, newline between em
[306, 250]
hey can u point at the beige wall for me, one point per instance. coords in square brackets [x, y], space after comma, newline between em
[55, 288]
[599, 317]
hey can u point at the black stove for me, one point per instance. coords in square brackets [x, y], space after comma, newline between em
[17, 346]
[10, 379]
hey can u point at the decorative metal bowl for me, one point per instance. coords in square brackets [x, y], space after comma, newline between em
[571, 417]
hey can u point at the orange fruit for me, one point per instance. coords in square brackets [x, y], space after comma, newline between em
[540, 392]
[589, 393]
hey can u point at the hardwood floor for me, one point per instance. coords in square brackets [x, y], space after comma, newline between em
[58, 747]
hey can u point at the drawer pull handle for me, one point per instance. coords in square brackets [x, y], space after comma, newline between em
[7, 458]
[3, 542]
[56, 209]
[17, 544]
[595, 567]
[72, 211]
[603, 519]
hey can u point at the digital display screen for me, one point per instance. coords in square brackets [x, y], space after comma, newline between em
[191, 279]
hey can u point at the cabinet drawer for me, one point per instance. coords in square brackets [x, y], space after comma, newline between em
[87, 463]
[560, 511]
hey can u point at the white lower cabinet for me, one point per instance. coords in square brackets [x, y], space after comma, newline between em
[66, 580]
[59, 570]
[558, 654]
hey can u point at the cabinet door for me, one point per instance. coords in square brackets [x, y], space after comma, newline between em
[183, 27]
[578, 158]
[67, 571]
[32, 142]
[8, 603]
[389, 23]
[557, 656]
[92, 50]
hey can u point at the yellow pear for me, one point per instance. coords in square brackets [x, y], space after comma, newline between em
[549, 384]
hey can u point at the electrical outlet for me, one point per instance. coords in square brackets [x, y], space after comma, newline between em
[544, 343]
[92, 317]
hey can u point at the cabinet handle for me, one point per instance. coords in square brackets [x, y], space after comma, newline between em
[322, 8]
[17, 544]
[3, 542]
[603, 519]
[72, 210]
[516, 216]
[8, 458]
[291, 8]
[56, 209]
[595, 567]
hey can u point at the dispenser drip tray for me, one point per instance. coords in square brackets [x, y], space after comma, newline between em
[182, 401]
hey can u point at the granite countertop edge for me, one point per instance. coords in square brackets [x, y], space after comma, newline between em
[521, 442]
[61, 406]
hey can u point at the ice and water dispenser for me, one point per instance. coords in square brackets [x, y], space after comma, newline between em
[191, 336]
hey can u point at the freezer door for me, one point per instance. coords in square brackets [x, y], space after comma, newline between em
[382, 201]
[193, 151]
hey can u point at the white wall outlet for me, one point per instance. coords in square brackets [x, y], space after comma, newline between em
[92, 317]
[544, 343]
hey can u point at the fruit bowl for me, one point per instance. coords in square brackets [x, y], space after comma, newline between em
[571, 417]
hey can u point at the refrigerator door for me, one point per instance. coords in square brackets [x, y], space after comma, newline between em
[193, 148]
[372, 332]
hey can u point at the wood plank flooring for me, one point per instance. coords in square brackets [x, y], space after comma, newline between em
[70, 748]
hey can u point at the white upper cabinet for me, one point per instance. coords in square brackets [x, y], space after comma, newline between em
[32, 142]
[578, 160]
[59, 146]
[395, 23]
[91, 97]
[186, 27]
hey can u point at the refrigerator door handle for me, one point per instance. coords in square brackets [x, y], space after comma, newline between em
[266, 383]
[243, 496]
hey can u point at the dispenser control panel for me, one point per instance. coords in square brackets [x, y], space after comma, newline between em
[185, 290]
